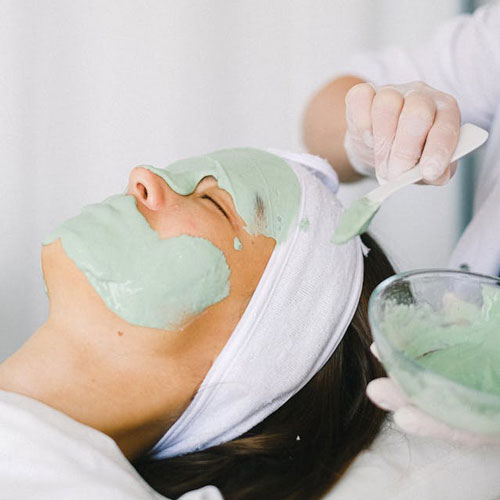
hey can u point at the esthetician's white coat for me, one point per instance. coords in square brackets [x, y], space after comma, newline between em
[463, 59]
[45, 454]
[399, 466]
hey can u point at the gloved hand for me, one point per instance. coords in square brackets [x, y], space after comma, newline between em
[388, 395]
[390, 128]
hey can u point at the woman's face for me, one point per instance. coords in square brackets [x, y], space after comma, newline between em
[185, 237]
[109, 240]
[170, 363]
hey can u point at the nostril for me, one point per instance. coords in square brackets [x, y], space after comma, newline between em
[142, 190]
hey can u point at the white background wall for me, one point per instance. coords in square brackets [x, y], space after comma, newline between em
[89, 89]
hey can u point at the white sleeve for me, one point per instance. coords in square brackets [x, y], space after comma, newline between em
[462, 59]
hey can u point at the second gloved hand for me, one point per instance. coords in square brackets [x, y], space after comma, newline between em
[388, 395]
[390, 128]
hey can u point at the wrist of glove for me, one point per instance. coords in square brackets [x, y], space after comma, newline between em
[388, 395]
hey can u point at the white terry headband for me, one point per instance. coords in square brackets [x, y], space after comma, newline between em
[298, 314]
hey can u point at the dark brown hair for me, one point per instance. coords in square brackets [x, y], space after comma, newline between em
[300, 451]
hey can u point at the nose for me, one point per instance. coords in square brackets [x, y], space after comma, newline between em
[147, 188]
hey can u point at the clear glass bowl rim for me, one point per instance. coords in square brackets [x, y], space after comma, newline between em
[427, 272]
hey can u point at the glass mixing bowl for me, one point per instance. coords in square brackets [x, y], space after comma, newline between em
[438, 334]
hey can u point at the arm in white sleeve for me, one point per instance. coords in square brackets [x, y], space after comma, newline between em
[462, 59]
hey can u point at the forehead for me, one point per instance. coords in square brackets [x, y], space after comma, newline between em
[259, 182]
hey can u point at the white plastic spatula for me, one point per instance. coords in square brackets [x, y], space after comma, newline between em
[356, 219]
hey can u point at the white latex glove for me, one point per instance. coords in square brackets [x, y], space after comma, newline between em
[390, 128]
[388, 395]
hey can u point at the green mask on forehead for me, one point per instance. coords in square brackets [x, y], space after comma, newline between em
[264, 188]
[159, 283]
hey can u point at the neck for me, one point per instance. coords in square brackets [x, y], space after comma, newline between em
[97, 376]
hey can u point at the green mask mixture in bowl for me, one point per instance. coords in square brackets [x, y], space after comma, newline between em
[438, 334]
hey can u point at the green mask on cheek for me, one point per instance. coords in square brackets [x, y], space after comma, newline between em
[160, 283]
[141, 278]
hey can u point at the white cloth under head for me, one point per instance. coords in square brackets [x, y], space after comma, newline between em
[299, 312]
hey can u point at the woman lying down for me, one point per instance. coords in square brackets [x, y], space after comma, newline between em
[203, 330]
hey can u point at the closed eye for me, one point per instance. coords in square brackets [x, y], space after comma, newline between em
[205, 196]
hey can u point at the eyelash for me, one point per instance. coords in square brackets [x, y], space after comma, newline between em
[205, 196]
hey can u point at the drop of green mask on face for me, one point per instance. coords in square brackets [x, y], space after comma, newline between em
[237, 243]
[160, 283]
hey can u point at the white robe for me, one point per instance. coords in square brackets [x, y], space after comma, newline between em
[47, 455]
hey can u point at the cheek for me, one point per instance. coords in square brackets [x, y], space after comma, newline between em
[194, 226]
[176, 224]
[248, 264]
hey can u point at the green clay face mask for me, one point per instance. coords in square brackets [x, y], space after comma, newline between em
[159, 283]
[141, 278]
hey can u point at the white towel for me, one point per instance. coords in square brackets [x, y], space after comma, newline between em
[297, 316]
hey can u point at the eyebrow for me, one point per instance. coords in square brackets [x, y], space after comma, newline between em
[260, 209]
